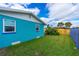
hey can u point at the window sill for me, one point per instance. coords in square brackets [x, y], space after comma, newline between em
[9, 32]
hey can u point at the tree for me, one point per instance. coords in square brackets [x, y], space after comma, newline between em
[68, 24]
[60, 24]
[51, 31]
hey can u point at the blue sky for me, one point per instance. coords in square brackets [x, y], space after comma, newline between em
[42, 7]
[51, 13]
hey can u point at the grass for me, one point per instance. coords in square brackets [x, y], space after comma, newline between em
[45, 46]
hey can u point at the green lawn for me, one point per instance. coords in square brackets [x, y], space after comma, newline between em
[45, 46]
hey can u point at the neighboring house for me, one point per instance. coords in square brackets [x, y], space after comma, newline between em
[18, 26]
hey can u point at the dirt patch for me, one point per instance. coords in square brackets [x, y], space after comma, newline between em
[3, 52]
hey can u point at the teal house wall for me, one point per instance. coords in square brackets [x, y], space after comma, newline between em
[25, 31]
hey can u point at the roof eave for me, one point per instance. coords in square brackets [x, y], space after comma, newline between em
[21, 11]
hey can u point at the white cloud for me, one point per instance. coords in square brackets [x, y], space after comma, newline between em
[63, 12]
[46, 20]
[58, 10]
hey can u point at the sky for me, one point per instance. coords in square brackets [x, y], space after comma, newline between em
[50, 13]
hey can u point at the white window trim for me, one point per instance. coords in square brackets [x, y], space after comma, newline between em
[4, 27]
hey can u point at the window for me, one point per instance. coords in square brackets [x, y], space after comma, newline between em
[9, 26]
[37, 27]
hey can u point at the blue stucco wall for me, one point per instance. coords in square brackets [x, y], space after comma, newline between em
[25, 31]
[74, 33]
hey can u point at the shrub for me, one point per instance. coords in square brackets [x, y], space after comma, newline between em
[51, 31]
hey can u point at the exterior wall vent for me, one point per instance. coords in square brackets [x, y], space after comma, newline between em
[17, 42]
[38, 37]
